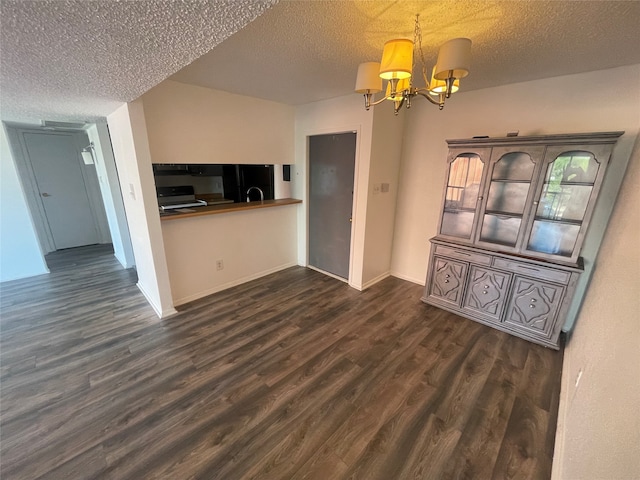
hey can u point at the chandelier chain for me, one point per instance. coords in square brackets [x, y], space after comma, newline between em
[417, 40]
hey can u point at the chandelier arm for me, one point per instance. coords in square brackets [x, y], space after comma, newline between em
[378, 102]
[428, 97]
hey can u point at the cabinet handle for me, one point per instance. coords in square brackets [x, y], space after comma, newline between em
[447, 276]
[480, 198]
[536, 203]
[484, 292]
[486, 286]
[446, 281]
[531, 305]
[533, 300]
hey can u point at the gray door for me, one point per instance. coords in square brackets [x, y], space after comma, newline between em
[331, 174]
[57, 170]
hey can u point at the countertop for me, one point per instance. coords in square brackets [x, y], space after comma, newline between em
[225, 208]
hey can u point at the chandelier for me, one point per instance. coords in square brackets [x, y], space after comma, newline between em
[397, 65]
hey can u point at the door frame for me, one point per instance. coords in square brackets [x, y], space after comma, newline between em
[354, 207]
[27, 178]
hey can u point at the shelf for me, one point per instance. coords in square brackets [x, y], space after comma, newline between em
[551, 220]
[503, 214]
[458, 210]
[507, 180]
[578, 184]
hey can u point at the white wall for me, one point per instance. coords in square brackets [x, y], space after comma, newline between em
[344, 114]
[111, 197]
[131, 152]
[20, 254]
[189, 124]
[598, 433]
[251, 244]
[595, 101]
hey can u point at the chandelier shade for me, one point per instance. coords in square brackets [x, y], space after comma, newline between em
[397, 59]
[368, 79]
[454, 56]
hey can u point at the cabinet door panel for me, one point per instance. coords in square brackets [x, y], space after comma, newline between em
[462, 192]
[509, 188]
[448, 280]
[533, 306]
[570, 181]
[486, 292]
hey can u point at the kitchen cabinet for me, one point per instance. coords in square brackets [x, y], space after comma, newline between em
[515, 214]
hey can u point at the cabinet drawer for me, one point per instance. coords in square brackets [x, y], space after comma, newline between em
[542, 273]
[463, 255]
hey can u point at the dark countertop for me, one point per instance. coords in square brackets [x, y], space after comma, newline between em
[226, 208]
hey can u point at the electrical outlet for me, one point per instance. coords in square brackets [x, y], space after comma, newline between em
[384, 187]
[219, 265]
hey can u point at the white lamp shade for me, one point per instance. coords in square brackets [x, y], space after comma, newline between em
[437, 87]
[368, 80]
[454, 55]
[402, 85]
[397, 59]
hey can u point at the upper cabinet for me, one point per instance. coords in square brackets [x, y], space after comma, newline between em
[532, 196]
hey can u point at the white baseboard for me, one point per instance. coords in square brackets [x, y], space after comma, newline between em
[233, 283]
[167, 312]
[408, 279]
[375, 280]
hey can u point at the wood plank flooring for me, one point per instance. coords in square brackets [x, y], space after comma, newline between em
[292, 376]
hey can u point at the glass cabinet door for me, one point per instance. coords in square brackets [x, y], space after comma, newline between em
[461, 195]
[509, 189]
[563, 203]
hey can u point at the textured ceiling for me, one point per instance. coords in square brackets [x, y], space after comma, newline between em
[78, 60]
[301, 51]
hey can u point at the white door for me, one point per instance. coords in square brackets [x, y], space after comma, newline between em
[331, 175]
[57, 169]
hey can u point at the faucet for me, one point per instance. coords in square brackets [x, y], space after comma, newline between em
[259, 190]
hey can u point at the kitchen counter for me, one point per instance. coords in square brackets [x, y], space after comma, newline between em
[225, 208]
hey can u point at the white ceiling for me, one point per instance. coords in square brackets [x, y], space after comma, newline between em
[77, 60]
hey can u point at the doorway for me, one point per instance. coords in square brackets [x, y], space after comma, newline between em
[62, 187]
[331, 178]
[63, 193]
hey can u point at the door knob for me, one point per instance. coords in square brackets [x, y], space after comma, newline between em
[45, 194]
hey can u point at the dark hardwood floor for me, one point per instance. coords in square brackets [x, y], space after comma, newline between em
[291, 376]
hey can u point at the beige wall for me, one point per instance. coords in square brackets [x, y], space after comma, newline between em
[588, 102]
[386, 151]
[598, 432]
[344, 114]
[189, 124]
[598, 435]
[251, 244]
[131, 151]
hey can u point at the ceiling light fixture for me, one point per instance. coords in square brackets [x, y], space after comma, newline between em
[396, 67]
